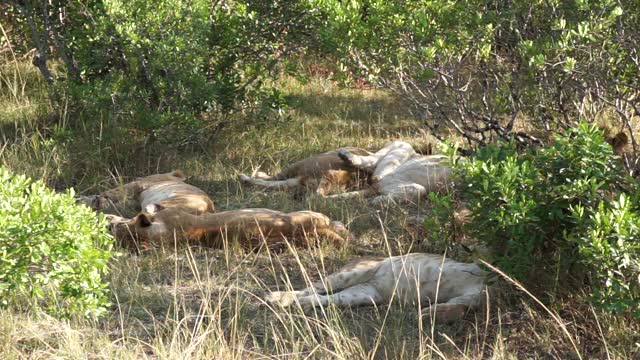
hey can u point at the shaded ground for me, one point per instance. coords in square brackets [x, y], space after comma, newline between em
[206, 303]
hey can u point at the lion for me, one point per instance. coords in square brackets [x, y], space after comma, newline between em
[444, 288]
[399, 173]
[323, 173]
[166, 190]
[618, 140]
[250, 227]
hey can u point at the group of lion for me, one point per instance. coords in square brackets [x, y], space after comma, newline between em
[164, 209]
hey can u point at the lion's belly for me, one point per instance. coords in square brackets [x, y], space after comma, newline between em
[422, 276]
[424, 171]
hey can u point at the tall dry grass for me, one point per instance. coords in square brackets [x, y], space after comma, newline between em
[207, 303]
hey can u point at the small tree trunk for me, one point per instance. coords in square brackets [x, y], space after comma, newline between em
[39, 41]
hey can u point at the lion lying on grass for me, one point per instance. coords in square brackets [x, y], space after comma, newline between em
[160, 190]
[321, 173]
[399, 172]
[446, 289]
[250, 227]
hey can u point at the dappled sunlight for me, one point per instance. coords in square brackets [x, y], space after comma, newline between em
[192, 302]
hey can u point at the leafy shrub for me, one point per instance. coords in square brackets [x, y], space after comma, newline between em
[440, 225]
[521, 200]
[144, 60]
[546, 214]
[608, 237]
[470, 65]
[52, 251]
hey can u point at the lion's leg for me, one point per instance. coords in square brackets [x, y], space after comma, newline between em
[272, 184]
[335, 282]
[352, 194]
[362, 273]
[331, 235]
[399, 193]
[367, 163]
[399, 152]
[285, 298]
[357, 295]
[453, 309]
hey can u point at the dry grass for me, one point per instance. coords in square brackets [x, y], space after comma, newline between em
[206, 303]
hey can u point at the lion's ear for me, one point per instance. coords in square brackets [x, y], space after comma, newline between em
[144, 220]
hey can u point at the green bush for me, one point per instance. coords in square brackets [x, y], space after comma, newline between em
[53, 253]
[521, 200]
[547, 217]
[476, 66]
[141, 62]
[608, 237]
[440, 226]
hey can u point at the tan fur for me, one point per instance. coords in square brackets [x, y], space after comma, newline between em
[445, 289]
[399, 173]
[323, 173]
[318, 165]
[335, 181]
[166, 190]
[619, 143]
[248, 226]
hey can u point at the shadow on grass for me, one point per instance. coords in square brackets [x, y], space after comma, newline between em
[354, 107]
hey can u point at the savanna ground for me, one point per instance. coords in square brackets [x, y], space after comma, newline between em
[206, 303]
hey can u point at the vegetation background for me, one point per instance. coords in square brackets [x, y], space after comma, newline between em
[95, 92]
